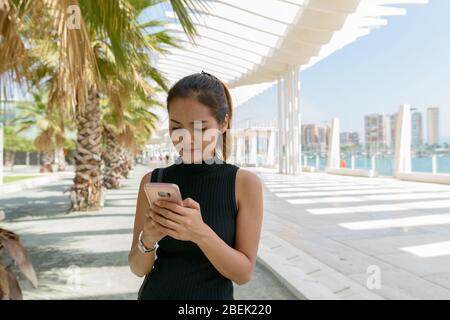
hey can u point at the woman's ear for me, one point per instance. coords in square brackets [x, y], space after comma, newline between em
[224, 125]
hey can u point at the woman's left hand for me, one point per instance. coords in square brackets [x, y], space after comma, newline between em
[180, 222]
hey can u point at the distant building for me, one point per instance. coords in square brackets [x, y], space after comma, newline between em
[375, 126]
[416, 129]
[349, 138]
[315, 136]
[433, 126]
[393, 126]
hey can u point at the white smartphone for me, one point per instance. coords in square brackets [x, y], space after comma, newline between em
[163, 191]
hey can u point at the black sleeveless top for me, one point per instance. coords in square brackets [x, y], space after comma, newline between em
[181, 270]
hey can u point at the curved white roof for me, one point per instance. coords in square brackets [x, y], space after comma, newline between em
[253, 41]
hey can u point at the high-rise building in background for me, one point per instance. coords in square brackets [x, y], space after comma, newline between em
[375, 126]
[315, 136]
[433, 126]
[416, 129]
[349, 138]
[393, 126]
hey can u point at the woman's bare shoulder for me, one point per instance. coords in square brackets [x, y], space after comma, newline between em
[247, 178]
[248, 186]
[248, 190]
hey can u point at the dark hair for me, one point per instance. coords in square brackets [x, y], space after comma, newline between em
[211, 92]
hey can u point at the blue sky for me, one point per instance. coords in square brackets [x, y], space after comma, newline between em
[407, 61]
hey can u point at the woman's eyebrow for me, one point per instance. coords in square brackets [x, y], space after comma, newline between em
[175, 121]
[203, 121]
[192, 122]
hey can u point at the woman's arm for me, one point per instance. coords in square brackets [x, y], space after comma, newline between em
[238, 263]
[141, 263]
[186, 223]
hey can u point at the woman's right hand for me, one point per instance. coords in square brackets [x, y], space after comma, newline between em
[151, 233]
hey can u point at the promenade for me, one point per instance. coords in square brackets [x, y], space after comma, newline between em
[344, 229]
[83, 255]
[323, 237]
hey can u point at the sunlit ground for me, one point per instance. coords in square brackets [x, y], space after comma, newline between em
[84, 255]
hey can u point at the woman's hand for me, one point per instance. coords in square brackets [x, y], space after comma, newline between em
[180, 222]
[152, 232]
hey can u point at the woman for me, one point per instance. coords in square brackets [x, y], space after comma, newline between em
[212, 240]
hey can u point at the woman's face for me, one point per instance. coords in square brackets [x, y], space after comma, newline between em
[193, 129]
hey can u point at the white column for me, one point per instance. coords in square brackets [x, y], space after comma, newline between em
[296, 121]
[239, 146]
[334, 147]
[253, 148]
[281, 126]
[1, 153]
[373, 163]
[289, 121]
[402, 159]
[434, 163]
[271, 148]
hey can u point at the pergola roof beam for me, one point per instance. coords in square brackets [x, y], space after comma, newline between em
[203, 61]
[201, 65]
[183, 66]
[208, 58]
[248, 42]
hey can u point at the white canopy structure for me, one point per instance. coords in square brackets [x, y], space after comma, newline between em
[259, 41]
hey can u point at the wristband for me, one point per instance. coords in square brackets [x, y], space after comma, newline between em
[142, 246]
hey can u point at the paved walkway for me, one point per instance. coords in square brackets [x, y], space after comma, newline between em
[357, 226]
[84, 255]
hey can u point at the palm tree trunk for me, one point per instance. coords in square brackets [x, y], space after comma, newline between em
[112, 160]
[130, 160]
[87, 192]
[123, 163]
[9, 158]
[126, 163]
[46, 161]
[60, 159]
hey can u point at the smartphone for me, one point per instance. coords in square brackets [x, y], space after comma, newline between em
[163, 191]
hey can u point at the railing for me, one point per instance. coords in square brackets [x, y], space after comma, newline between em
[384, 164]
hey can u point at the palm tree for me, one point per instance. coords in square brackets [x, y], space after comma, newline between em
[9, 286]
[124, 66]
[13, 143]
[51, 131]
[137, 123]
[77, 85]
[125, 93]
